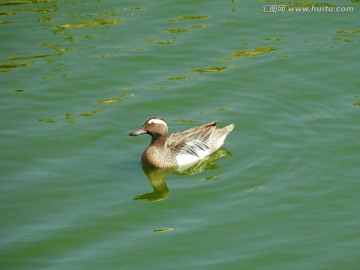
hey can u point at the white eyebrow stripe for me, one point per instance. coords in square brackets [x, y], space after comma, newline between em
[158, 121]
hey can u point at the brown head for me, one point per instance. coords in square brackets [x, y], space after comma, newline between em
[154, 126]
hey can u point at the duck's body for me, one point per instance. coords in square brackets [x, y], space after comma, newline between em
[181, 148]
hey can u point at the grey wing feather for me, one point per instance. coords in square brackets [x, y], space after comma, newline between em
[196, 148]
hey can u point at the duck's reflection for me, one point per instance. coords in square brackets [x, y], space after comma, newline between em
[157, 177]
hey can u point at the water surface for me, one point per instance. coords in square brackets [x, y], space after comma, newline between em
[78, 76]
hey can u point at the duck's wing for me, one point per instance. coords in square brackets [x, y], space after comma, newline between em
[202, 133]
[194, 141]
[197, 149]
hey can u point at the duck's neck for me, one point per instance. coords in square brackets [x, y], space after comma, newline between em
[158, 140]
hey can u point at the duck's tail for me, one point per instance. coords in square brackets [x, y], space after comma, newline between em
[219, 137]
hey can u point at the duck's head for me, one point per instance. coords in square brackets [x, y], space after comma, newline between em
[154, 126]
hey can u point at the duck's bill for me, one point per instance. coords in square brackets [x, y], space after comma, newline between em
[138, 132]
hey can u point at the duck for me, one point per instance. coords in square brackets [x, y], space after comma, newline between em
[180, 149]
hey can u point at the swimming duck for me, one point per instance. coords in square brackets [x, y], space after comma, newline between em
[183, 148]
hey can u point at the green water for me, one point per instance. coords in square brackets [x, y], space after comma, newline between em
[78, 76]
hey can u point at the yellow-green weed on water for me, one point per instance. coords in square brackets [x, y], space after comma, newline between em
[159, 230]
[17, 91]
[116, 99]
[15, 65]
[255, 52]
[210, 69]
[188, 18]
[351, 31]
[343, 39]
[91, 23]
